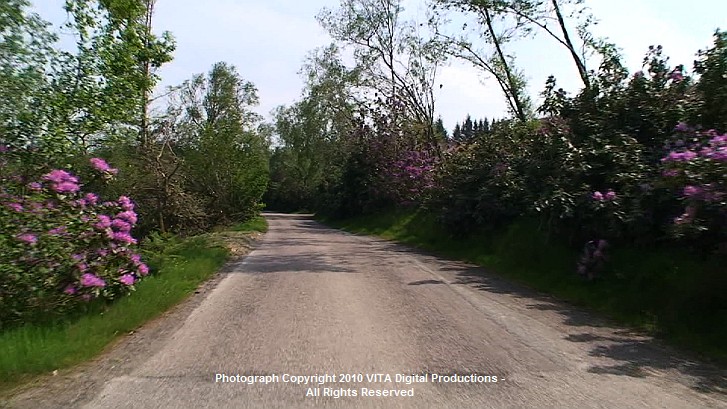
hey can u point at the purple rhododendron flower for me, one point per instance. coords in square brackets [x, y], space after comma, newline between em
[126, 203]
[60, 176]
[65, 187]
[70, 290]
[128, 216]
[136, 259]
[127, 279]
[721, 154]
[35, 186]
[691, 191]
[680, 156]
[610, 195]
[121, 225]
[100, 165]
[143, 269]
[597, 196]
[104, 222]
[57, 231]
[15, 206]
[122, 237]
[27, 238]
[91, 199]
[92, 280]
[682, 127]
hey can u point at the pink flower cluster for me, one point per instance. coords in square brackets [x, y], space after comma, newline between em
[62, 181]
[103, 167]
[28, 238]
[96, 245]
[685, 156]
[715, 149]
[92, 280]
[601, 197]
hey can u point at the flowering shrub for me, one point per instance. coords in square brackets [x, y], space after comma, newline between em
[61, 246]
[412, 175]
[695, 168]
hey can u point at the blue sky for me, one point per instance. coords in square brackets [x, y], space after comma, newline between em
[267, 40]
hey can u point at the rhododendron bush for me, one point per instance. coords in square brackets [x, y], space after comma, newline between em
[696, 169]
[61, 246]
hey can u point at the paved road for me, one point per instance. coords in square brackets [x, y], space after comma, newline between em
[312, 300]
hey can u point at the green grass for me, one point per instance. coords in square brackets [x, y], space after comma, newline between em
[31, 350]
[666, 291]
[256, 224]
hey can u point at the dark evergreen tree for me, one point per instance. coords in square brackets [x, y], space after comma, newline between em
[468, 131]
[457, 133]
[439, 130]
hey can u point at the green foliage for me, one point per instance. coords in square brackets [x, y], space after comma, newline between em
[25, 51]
[313, 135]
[482, 183]
[217, 127]
[256, 224]
[73, 103]
[710, 110]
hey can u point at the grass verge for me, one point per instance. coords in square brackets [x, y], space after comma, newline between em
[178, 266]
[256, 224]
[665, 291]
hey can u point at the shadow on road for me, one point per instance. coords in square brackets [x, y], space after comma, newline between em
[633, 354]
[423, 282]
[627, 353]
[298, 263]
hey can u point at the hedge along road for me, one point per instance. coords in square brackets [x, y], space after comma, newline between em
[318, 312]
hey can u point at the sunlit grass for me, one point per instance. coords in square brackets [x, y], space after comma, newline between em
[256, 224]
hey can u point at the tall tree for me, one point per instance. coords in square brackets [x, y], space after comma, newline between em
[490, 56]
[225, 154]
[396, 60]
[314, 132]
[25, 51]
[102, 91]
[468, 131]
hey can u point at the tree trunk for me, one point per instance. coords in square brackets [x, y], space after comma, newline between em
[146, 68]
[569, 44]
[513, 90]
